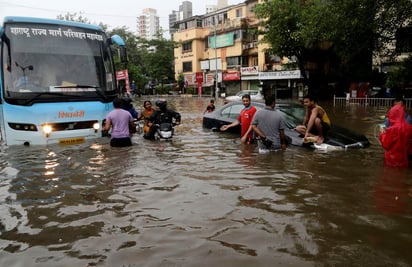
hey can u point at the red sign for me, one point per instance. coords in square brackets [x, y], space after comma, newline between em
[231, 76]
[199, 77]
[123, 75]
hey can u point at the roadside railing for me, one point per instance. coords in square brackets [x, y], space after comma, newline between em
[368, 101]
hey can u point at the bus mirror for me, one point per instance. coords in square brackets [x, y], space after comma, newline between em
[116, 39]
[123, 54]
[1, 32]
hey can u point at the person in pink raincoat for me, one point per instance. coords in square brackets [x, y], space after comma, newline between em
[395, 140]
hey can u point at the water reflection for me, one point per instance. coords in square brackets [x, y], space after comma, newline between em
[204, 199]
[393, 191]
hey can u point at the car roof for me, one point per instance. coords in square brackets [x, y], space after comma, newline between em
[262, 104]
[247, 92]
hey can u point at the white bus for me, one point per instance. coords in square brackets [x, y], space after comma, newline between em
[57, 81]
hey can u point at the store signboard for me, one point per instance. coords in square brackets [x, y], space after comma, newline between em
[278, 75]
[221, 40]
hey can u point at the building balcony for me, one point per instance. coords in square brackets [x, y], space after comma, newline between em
[249, 45]
[230, 24]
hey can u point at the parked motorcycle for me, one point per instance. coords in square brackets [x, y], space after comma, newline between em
[164, 131]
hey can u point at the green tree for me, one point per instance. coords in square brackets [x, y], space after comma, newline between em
[293, 28]
[157, 57]
[401, 75]
[338, 37]
[181, 82]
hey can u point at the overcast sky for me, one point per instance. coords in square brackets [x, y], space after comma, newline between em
[116, 13]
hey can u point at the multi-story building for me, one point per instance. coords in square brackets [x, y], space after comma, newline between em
[148, 25]
[185, 11]
[220, 4]
[222, 46]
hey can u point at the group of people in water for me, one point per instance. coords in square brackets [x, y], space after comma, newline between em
[266, 126]
[121, 120]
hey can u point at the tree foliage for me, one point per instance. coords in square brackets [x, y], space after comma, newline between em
[340, 36]
[401, 76]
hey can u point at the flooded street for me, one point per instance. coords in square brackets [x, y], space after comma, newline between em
[204, 199]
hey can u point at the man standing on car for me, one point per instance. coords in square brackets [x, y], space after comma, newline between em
[269, 125]
[245, 118]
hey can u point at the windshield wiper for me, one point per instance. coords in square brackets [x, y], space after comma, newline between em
[76, 86]
[36, 96]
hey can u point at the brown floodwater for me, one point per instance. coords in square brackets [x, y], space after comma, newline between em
[204, 199]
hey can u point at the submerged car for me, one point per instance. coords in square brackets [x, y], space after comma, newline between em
[293, 114]
[255, 95]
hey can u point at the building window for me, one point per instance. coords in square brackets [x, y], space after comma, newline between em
[187, 66]
[245, 61]
[239, 13]
[187, 47]
[182, 26]
[250, 35]
[255, 61]
[199, 23]
[233, 62]
[237, 35]
[252, 8]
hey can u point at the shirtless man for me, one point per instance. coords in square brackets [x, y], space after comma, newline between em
[316, 122]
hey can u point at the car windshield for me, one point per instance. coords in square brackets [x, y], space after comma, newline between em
[293, 114]
[232, 111]
[241, 93]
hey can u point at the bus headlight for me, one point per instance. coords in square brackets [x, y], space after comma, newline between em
[47, 129]
[96, 126]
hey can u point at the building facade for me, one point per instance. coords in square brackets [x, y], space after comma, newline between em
[148, 25]
[220, 52]
[185, 11]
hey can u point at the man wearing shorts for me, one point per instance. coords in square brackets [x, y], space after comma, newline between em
[316, 123]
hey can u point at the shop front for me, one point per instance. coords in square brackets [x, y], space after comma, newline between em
[250, 78]
[231, 83]
[282, 84]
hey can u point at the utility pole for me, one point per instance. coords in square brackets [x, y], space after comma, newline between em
[216, 76]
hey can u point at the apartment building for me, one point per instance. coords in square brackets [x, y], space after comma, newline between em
[222, 46]
[220, 4]
[185, 11]
[148, 24]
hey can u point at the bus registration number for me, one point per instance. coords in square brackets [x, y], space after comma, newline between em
[72, 141]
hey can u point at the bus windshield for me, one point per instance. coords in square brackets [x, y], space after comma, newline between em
[52, 63]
